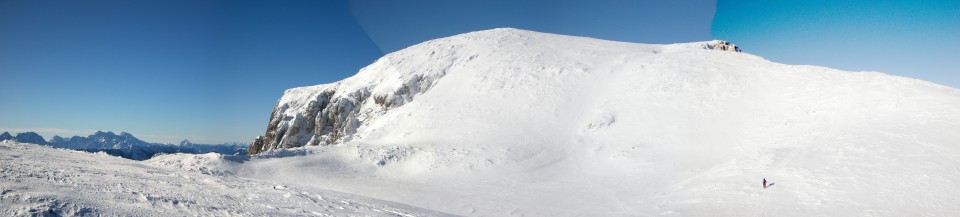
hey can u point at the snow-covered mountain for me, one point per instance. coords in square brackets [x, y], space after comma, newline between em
[24, 137]
[331, 113]
[512, 122]
[6, 136]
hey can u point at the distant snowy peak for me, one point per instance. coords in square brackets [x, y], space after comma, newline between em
[25, 137]
[331, 113]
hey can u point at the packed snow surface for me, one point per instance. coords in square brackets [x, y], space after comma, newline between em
[520, 123]
[41, 181]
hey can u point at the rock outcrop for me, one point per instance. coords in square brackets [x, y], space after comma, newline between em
[723, 45]
[331, 113]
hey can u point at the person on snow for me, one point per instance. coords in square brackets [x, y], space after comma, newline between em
[764, 183]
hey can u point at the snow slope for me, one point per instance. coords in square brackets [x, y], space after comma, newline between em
[509, 122]
[42, 181]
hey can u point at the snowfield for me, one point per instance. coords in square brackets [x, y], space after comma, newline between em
[509, 122]
[42, 181]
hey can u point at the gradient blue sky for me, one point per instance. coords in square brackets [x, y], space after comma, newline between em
[912, 38]
[211, 71]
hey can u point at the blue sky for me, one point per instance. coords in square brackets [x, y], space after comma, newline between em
[912, 38]
[211, 71]
[394, 25]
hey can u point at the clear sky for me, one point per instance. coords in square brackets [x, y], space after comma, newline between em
[911, 38]
[394, 25]
[165, 70]
[211, 71]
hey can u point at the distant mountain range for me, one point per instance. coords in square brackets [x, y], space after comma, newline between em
[125, 145]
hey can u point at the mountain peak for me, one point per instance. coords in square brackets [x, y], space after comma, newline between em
[5, 136]
[127, 136]
[501, 31]
[101, 133]
[185, 142]
[30, 137]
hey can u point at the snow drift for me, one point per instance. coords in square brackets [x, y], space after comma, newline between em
[513, 122]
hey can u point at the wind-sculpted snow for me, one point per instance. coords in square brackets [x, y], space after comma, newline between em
[209, 164]
[42, 181]
[509, 122]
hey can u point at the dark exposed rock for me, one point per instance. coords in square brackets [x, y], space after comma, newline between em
[723, 45]
[329, 119]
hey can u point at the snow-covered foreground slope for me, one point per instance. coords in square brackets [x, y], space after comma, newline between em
[42, 181]
[511, 122]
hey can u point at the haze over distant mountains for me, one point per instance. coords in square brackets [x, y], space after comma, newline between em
[125, 145]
